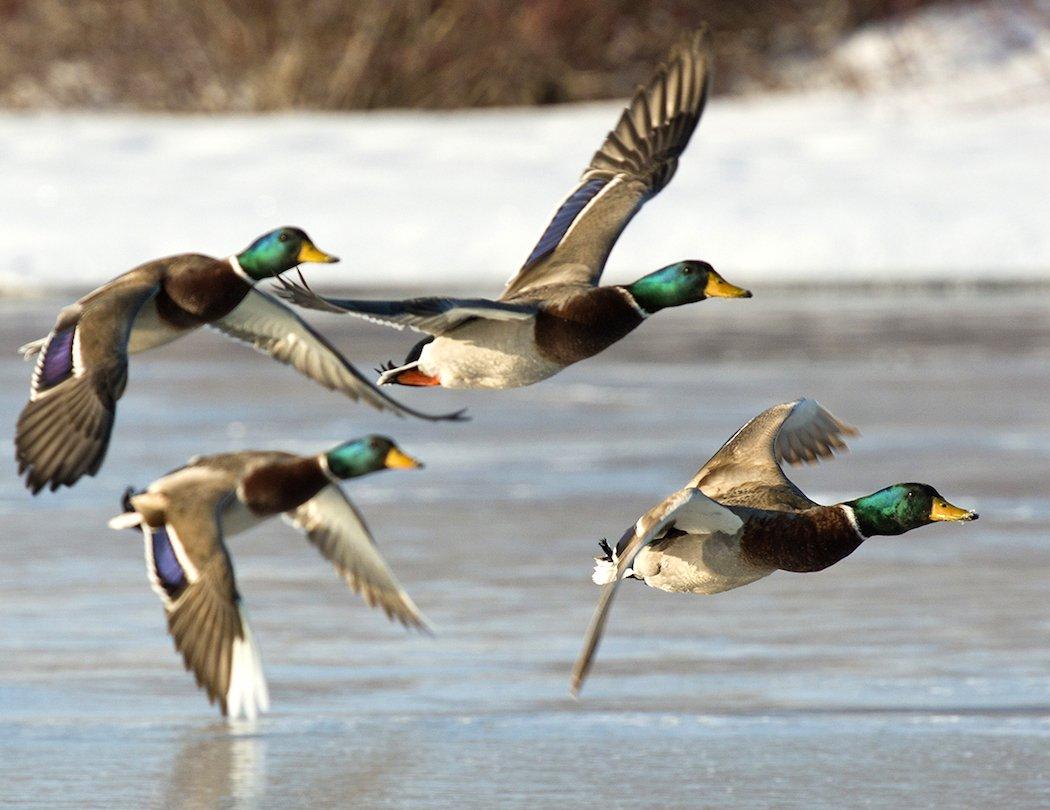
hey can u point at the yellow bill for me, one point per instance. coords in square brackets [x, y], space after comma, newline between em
[396, 460]
[942, 510]
[309, 253]
[718, 287]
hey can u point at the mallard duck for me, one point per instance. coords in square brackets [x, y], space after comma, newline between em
[553, 313]
[740, 518]
[81, 371]
[186, 516]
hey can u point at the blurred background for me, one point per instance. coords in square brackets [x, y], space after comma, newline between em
[251, 56]
[876, 171]
[859, 141]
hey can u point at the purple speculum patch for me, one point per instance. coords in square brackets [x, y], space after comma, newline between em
[58, 358]
[169, 572]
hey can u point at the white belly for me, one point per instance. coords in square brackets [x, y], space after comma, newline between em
[487, 354]
[237, 518]
[708, 563]
[149, 331]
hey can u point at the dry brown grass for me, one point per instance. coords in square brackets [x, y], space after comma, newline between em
[211, 55]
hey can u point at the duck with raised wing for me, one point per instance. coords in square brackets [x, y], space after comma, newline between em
[553, 313]
[64, 430]
[740, 518]
[186, 516]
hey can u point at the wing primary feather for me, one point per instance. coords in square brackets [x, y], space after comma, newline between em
[797, 432]
[595, 630]
[640, 152]
[338, 531]
[64, 429]
[264, 323]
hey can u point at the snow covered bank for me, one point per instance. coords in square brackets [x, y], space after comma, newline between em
[981, 52]
[832, 187]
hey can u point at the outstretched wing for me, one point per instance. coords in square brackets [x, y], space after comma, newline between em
[332, 524]
[688, 510]
[795, 432]
[265, 323]
[434, 316]
[190, 570]
[636, 161]
[63, 431]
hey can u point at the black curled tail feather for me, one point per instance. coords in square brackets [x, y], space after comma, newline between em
[125, 501]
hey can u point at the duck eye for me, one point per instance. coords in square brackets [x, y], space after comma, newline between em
[687, 270]
[283, 237]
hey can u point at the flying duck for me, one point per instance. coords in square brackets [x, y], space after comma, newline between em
[81, 370]
[186, 516]
[553, 313]
[740, 518]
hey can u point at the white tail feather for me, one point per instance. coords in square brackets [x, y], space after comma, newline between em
[604, 571]
[247, 695]
[125, 520]
[32, 348]
[390, 375]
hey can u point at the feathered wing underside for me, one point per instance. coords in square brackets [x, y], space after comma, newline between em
[211, 631]
[636, 161]
[191, 571]
[332, 523]
[81, 371]
[688, 510]
[431, 315]
[796, 432]
[265, 323]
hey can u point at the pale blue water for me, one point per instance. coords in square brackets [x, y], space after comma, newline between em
[914, 673]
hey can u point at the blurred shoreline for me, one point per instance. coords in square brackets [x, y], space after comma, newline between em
[230, 55]
[266, 55]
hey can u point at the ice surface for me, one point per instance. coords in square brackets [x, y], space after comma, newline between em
[911, 674]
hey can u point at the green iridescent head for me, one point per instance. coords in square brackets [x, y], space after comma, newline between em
[903, 507]
[279, 250]
[367, 455]
[682, 283]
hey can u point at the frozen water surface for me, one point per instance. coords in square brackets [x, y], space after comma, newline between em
[914, 673]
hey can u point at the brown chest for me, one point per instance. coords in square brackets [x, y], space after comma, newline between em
[584, 325]
[804, 541]
[198, 290]
[282, 486]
